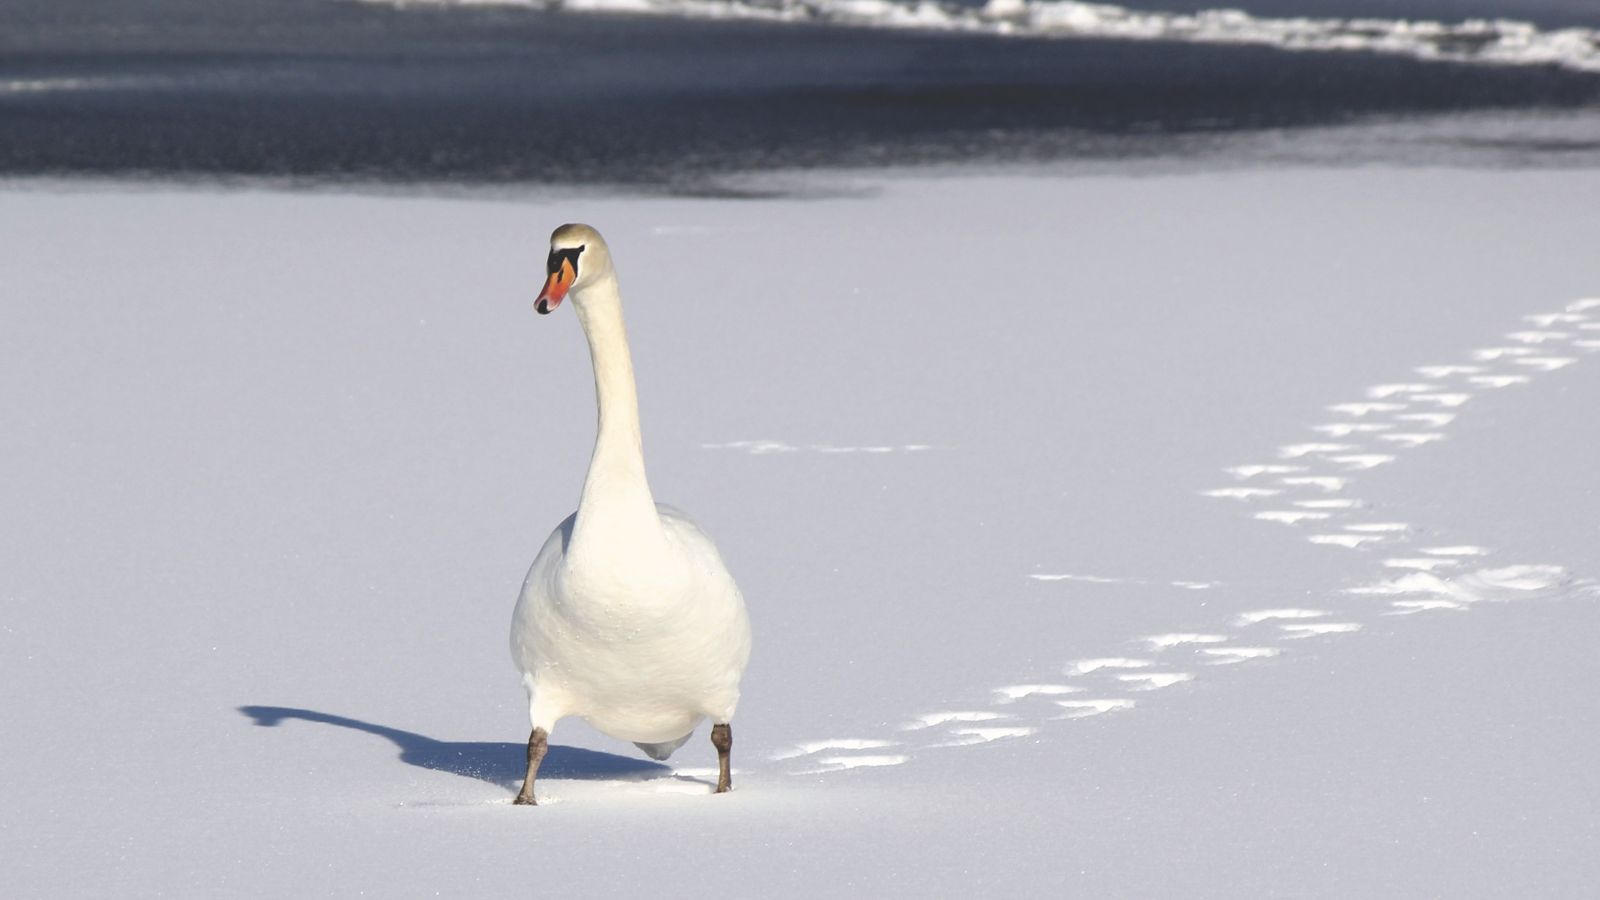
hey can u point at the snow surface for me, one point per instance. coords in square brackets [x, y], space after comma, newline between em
[276, 464]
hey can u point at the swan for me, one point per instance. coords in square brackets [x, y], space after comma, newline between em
[628, 616]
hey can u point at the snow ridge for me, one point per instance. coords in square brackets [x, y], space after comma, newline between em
[1500, 42]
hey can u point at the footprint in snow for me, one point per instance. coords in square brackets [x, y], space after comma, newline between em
[1345, 429]
[1362, 461]
[1432, 419]
[1085, 666]
[1350, 541]
[1546, 363]
[1011, 693]
[810, 747]
[1166, 641]
[1082, 709]
[969, 735]
[1412, 439]
[1268, 615]
[1382, 391]
[931, 720]
[1251, 471]
[1315, 629]
[1336, 503]
[1447, 371]
[830, 764]
[1222, 656]
[1538, 337]
[1426, 565]
[1291, 516]
[1241, 493]
[1499, 381]
[1153, 681]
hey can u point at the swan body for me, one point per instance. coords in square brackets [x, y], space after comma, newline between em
[642, 654]
[628, 616]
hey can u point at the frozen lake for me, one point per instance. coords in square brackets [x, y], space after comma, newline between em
[677, 95]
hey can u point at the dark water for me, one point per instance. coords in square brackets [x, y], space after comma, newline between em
[331, 90]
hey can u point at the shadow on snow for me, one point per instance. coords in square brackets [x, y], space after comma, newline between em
[497, 762]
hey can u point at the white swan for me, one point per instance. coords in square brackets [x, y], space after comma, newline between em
[628, 617]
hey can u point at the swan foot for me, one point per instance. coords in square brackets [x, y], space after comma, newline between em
[538, 744]
[722, 739]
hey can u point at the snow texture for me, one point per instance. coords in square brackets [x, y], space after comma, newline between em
[1475, 41]
[277, 463]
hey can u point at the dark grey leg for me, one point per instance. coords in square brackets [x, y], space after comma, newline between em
[538, 743]
[722, 739]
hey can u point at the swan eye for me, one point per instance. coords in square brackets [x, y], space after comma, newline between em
[563, 264]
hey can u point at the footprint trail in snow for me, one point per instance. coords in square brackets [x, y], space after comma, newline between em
[1299, 487]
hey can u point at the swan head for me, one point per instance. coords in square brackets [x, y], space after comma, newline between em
[578, 258]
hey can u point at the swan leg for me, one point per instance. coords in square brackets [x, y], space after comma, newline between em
[722, 739]
[538, 744]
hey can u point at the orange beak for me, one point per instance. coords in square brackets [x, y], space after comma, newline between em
[555, 288]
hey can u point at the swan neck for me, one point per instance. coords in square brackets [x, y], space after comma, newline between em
[617, 508]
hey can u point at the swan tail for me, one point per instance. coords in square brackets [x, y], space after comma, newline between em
[662, 750]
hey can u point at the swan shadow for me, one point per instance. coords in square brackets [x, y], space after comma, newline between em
[497, 762]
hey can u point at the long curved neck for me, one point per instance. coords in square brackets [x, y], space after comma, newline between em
[617, 514]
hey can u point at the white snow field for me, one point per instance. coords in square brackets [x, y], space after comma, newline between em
[1204, 535]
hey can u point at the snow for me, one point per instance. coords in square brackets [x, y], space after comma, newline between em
[277, 463]
[1499, 42]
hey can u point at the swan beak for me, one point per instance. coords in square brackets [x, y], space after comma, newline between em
[555, 288]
